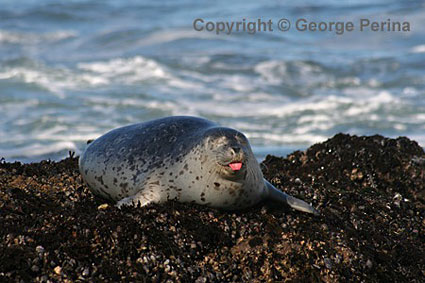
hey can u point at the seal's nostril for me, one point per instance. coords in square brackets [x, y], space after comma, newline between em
[236, 149]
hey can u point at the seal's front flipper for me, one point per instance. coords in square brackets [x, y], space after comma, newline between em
[279, 196]
[141, 198]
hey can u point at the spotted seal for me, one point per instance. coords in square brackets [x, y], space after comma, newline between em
[182, 158]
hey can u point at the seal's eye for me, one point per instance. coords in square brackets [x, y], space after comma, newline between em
[221, 141]
[215, 143]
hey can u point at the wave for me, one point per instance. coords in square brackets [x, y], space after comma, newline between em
[166, 36]
[55, 80]
[418, 49]
[38, 149]
[130, 70]
[59, 79]
[26, 38]
[257, 100]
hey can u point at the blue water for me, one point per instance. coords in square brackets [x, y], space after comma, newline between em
[72, 70]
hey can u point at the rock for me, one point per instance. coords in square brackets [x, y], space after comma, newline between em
[35, 268]
[39, 249]
[103, 206]
[58, 270]
[86, 272]
[370, 191]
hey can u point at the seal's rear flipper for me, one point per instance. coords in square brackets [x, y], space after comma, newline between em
[279, 196]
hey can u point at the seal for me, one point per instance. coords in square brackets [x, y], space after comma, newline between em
[182, 158]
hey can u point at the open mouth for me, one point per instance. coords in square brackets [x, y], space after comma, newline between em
[236, 166]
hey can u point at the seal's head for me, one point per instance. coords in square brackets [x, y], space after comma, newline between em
[231, 152]
[232, 178]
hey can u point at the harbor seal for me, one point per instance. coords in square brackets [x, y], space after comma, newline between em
[182, 158]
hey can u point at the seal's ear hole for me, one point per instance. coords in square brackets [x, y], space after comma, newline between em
[241, 139]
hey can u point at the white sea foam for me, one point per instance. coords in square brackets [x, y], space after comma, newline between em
[236, 96]
[289, 138]
[38, 149]
[410, 92]
[169, 35]
[276, 72]
[317, 104]
[418, 49]
[58, 80]
[133, 70]
[59, 133]
[54, 79]
[138, 68]
[132, 102]
[249, 126]
[272, 71]
[313, 118]
[419, 117]
[15, 107]
[238, 83]
[371, 103]
[14, 37]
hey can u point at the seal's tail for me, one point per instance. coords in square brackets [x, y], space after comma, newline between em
[279, 196]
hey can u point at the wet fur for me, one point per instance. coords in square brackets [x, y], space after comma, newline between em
[177, 158]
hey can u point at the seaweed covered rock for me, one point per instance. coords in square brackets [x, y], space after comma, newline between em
[370, 191]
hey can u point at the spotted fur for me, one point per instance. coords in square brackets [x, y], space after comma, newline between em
[175, 158]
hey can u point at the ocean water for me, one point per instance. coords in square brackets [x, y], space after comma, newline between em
[72, 70]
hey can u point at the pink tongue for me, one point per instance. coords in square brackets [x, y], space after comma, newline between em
[236, 166]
